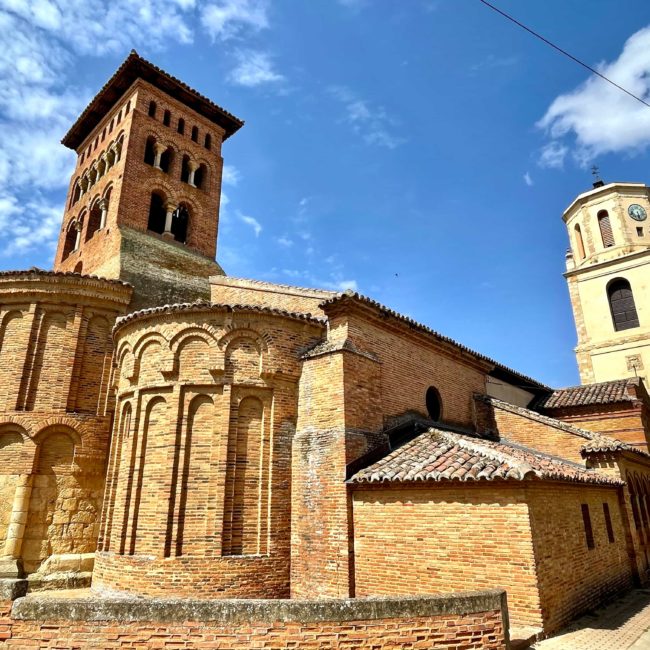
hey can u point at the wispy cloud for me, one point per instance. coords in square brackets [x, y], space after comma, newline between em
[253, 68]
[252, 222]
[225, 19]
[596, 118]
[491, 62]
[371, 123]
[552, 155]
[528, 179]
[231, 175]
[284, 241]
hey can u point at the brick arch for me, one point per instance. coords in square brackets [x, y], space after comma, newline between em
[139, 349]
[162, 187]
[17, 449]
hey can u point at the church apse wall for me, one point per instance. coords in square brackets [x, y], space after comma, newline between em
[55, 417]
[198, 485]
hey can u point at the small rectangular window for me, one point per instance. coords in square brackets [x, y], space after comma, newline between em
[639, 232]
[608, 523]
[586, 520]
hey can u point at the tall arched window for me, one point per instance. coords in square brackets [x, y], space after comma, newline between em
[185, 169]
[580, 246]
[199, 176]
[181, 125]
[166, 159]
[70, 240]
[207, 143]
[621, 304]
[179, 223]
[433, 403]
[167, 118]
[149, 151]
[94, 220]
[152, 109]
[157, 213]
[195, 133]
[605, 226]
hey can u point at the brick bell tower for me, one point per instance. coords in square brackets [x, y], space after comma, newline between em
[608, 272]
[143, 202]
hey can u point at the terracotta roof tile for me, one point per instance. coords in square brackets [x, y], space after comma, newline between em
[606, 392]
[439, 455]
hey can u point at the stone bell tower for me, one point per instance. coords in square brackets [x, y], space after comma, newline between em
[608, 272]
[143, 202]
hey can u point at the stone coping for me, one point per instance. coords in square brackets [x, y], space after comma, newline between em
[242, 611]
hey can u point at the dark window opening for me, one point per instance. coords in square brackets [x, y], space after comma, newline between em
[180, 221]
[621, 304]
[608, 523]
[110, 126]
[94, 221]
[128, 107]
[185, 169]
[586, 520]
[639, 232]
[70, 241]
[579, 242]
[434, 404]
[166, 160]
[152, 109]
[76, 195]
[181, 125]
[167, 118]
[199, 176]
[195, 134]
[605, 226]
[119, 116]
[207, 143]
[157, 214]
[104, 134]
[149, 151]
[78, 267]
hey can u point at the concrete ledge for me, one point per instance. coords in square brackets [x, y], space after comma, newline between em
[43, 607]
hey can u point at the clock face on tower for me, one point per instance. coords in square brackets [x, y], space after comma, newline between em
[637, 212]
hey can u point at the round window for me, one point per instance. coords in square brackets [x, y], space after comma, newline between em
[434, 405]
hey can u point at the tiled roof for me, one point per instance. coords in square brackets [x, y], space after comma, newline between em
[132, 68]
[595, 442]
[36, 272]
[606, 392]
[439, 455]
[340, 298]
[204, 305]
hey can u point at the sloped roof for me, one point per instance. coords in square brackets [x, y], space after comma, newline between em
[439, 455]
[135, 67]
[606, 392]
[499, 369]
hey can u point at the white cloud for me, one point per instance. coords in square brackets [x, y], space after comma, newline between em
[372, 124]
[226, 19]
[597, 118]
[253, 69]
[284, 241]
[552, 155]
[231, 175]
[252, 222]
[528, 179]
[491, 62]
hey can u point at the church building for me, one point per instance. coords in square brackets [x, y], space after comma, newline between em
[232, 463]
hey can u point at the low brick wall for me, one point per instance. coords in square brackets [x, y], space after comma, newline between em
[464, 621]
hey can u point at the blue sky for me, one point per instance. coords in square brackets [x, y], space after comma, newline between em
[420, 151]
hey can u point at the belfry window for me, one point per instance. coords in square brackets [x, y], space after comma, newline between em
[433, 403]
[166, 159]
[167, 118]
[621, 304]
[94, 220]
[180, 221]
[605, 226]
[152, 109]
[207, 143]
[157, 214]
[195, 134]
[580, 246]
[150, 151]
[185, 169]
[199, 176]
[181, 125]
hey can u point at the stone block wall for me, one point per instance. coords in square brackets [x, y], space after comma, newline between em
[467, 621]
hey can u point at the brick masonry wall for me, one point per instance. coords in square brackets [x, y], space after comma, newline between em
[55, 417]
[239, 291]
[468, 621]
[573, 578]
[198, 487]
[438, 538]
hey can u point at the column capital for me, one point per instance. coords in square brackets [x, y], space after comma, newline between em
[158, 147]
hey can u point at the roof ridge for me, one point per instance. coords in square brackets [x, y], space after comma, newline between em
[36, 271]
[354, 295]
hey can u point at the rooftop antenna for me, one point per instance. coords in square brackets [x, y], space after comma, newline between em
[595, 172]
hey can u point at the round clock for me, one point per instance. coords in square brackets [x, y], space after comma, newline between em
[637, 212]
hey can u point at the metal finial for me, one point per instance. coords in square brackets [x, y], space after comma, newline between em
[595, 172]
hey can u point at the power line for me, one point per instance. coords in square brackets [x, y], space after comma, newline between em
[559, 49]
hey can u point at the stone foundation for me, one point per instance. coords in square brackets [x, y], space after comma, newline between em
[466, 621]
